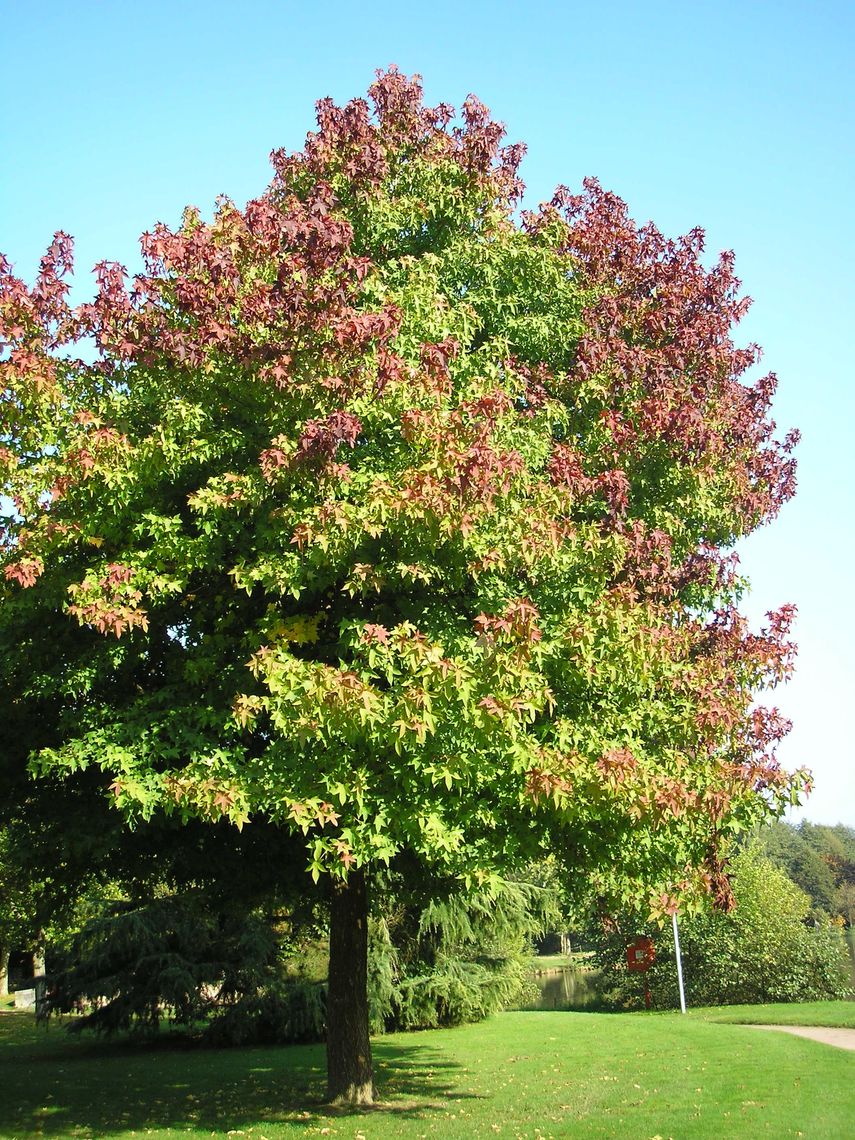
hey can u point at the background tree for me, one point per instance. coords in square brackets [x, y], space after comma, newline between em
[818, 858]
[441, 956]
[399, 519]
[237, 968]
[54, 834]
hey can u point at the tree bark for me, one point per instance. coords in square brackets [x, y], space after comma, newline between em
[4, 971]
[39, 974]
[350, 1075]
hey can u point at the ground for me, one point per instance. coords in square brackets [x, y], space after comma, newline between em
[531, 1075]
[840, 1038]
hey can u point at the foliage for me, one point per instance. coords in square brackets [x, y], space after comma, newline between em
[195, 927]
[51, 877]
[210, 966]
[132, 965]
[53, 834]
[453, 959]
[761, 951]
[400, 521]
[204, 960]
[283, 1013]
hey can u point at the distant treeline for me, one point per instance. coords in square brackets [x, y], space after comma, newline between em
[818, 858]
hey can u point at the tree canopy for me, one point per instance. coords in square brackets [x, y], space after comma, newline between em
[400, 516]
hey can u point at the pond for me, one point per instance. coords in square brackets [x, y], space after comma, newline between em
[568, 987]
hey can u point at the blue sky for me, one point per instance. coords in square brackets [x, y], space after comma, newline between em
[734, 116]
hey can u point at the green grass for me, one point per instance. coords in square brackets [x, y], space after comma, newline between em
[533, 1075]
[834, 1013]
[545, 962]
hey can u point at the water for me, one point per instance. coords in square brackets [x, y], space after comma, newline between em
[566, 988]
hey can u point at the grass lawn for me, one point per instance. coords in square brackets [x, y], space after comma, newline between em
[545, 962]
[835, 1013]
[533, 1075]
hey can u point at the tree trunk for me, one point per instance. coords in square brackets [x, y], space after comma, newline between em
[39, 975]
[350, 1076]
[4, 971]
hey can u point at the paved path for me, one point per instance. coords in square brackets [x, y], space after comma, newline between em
[828, 1035]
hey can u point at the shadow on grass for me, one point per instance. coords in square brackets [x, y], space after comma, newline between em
[54, 1086]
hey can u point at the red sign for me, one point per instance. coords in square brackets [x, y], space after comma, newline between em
[640, 955]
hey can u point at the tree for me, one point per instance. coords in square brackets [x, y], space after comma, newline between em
[448, 957]
[400, 519]
[818, 858]
[788, 849]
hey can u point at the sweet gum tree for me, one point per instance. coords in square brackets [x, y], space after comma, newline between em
[400, 517]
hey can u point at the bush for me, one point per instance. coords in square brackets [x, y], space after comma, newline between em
[763, 950]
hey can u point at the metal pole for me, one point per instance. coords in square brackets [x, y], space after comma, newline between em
[679, 964]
